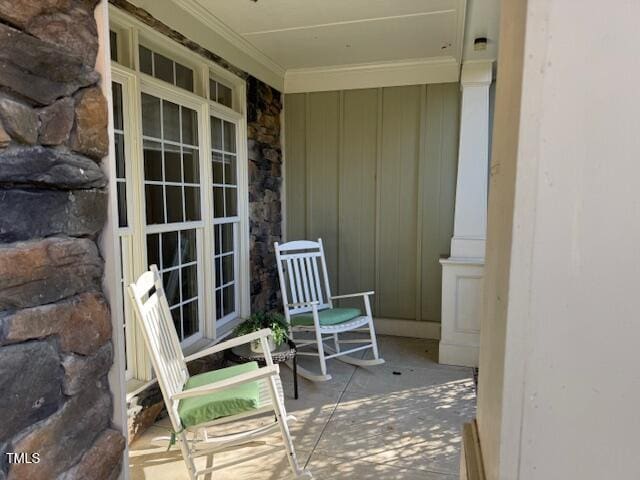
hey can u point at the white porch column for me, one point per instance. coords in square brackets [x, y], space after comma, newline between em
[462, 272]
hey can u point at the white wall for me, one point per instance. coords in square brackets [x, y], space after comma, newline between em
[560, 382]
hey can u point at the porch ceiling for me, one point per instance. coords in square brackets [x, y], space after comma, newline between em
[334, 32]
[297, 34]
[305, 46]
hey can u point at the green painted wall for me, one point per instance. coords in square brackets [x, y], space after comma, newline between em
[372, 172]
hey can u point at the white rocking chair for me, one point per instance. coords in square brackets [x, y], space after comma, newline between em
[212, 398]
[311, 310]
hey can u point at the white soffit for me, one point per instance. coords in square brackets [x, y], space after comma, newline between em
[329, 44]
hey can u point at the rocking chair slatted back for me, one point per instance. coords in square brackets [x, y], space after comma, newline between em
[160, 337]
[303, 275]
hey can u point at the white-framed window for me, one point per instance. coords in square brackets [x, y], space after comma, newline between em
[181, 184]
[224, 161]
[121, 85]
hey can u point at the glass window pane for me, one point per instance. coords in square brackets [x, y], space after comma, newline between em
[191, 166]
[150, 116]
[184, 77]
[217, 238]
[153, 250]
[230, 169]
[229, 137]
[145, 61]
[228, 299]
[217, 167]
[189, 282]
[116, 91]
[216, 133]
[170, 256]
[174, 204]
[225, 96]
[152, 161]
[219, 303]
[190, 318]
[227, 237]
[212, 90]
[188, 245]
[175, 313]
[231, 201]
[218, 267]
[218, 202]
[119, 151]
[163, 67]
[192, 204]
[171, 121]
[227, 269]
[113, 45]
[172, 163]
[171, 283]
[189, 126]
[122, 204]
[154, 203]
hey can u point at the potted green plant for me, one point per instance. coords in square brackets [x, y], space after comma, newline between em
[259, 320]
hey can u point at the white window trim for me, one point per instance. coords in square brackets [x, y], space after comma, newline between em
[130, 30]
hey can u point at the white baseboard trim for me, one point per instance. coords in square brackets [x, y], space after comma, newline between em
[407, 328]
[460, 355]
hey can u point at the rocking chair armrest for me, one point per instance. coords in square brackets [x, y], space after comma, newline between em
[269, 371]
[234, 342]
[351, 295]
[303, 304]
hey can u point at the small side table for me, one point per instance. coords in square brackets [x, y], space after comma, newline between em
[285, 352]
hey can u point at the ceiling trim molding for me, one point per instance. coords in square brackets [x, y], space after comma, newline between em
[214, 23]
[372, 75]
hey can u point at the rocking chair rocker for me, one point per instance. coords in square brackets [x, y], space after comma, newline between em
[311, 309]
[196, 403]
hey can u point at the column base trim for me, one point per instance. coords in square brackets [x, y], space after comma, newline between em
[459, 355]
[471, 462]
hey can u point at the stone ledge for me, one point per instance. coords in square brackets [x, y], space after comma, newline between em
[38, 70]
[51, 167]
[82, 324]
[31, 213]
[45, 271]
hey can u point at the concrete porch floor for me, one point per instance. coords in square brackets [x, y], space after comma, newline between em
[401, 420]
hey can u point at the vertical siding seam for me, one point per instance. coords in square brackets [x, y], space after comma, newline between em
[379, 99]
[339, 164]
[422, 151]
[438, 196]
[443, 107]
[307, 174]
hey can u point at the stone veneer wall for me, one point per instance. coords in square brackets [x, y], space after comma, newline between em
[55, 324]
[264, 105]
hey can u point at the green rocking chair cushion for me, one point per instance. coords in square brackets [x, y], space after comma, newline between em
[329, 316]
[234, 400]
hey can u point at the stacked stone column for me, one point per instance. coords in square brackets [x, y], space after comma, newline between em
[265, 184]
[55, 325]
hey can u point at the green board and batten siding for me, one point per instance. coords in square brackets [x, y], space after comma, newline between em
[372, 172]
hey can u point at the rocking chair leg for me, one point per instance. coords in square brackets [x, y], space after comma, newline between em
[336, 342]
[374, 342]
[284, 429]
[323, 362]
[186, 454]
